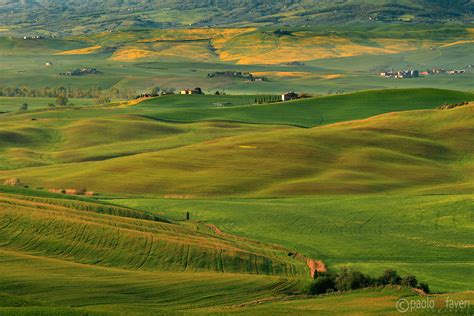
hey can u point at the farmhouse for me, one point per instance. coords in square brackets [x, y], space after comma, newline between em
[289, 96]
[189, 91]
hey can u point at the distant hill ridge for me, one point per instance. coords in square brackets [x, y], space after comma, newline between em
[57, 16]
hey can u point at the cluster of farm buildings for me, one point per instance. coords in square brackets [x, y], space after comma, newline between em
[413, 73]
[287, 96]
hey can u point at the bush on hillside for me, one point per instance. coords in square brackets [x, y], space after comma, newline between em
[62, 100]
[424, 287]
[155, 91]
[349, 279]
[410, 281]
[102, 100]
[323, 284]
[448, 106]
[390, 277]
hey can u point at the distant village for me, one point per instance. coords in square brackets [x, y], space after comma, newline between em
[413, 73]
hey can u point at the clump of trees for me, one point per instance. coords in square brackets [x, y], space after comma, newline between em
[102, 100]
[348, 279]
[270, 99]
[448, 106]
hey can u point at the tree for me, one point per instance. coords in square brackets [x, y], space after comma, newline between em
[51, 105]
[323, 284]
[198, 90]
[62, 100]
[169, 90]
[349, 279]
[155, 91]
[410, 281]
[102, 100]
[24, 107]
[390, 277]
[424, 287]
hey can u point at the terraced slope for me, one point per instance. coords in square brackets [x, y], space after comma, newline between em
[423, 151]
[84, 232]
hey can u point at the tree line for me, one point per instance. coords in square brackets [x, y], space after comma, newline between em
[69, 92]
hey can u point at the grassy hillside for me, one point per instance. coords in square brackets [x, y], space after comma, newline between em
[313, 111]
[136, 266]
[426, 235]
[368, 302]
[9, 104]
[93, 15]
[132, 259]
[49, 227]
[335, 58]
[422, 151]
[66, 135]
[148, 264]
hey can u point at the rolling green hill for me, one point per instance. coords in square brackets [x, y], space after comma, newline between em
[309, 112]
[50, 227]
[231, 201]
[133, 264]
[387, 191]
[127, 262]
[425, 151]
[424, 235]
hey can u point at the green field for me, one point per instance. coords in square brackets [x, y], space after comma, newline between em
[10, 104]
[395, 152]
[367, 172]
[427, 235]
[305, 112]
[132, 263]
[336, 60]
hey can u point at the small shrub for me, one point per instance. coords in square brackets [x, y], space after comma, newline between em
[323, 284]
[409, 281]
[424, 287]
[390, 277]
[62, 100]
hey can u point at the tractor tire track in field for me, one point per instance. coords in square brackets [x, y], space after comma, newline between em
[315, 266]
[148, 250]
[70, 233]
